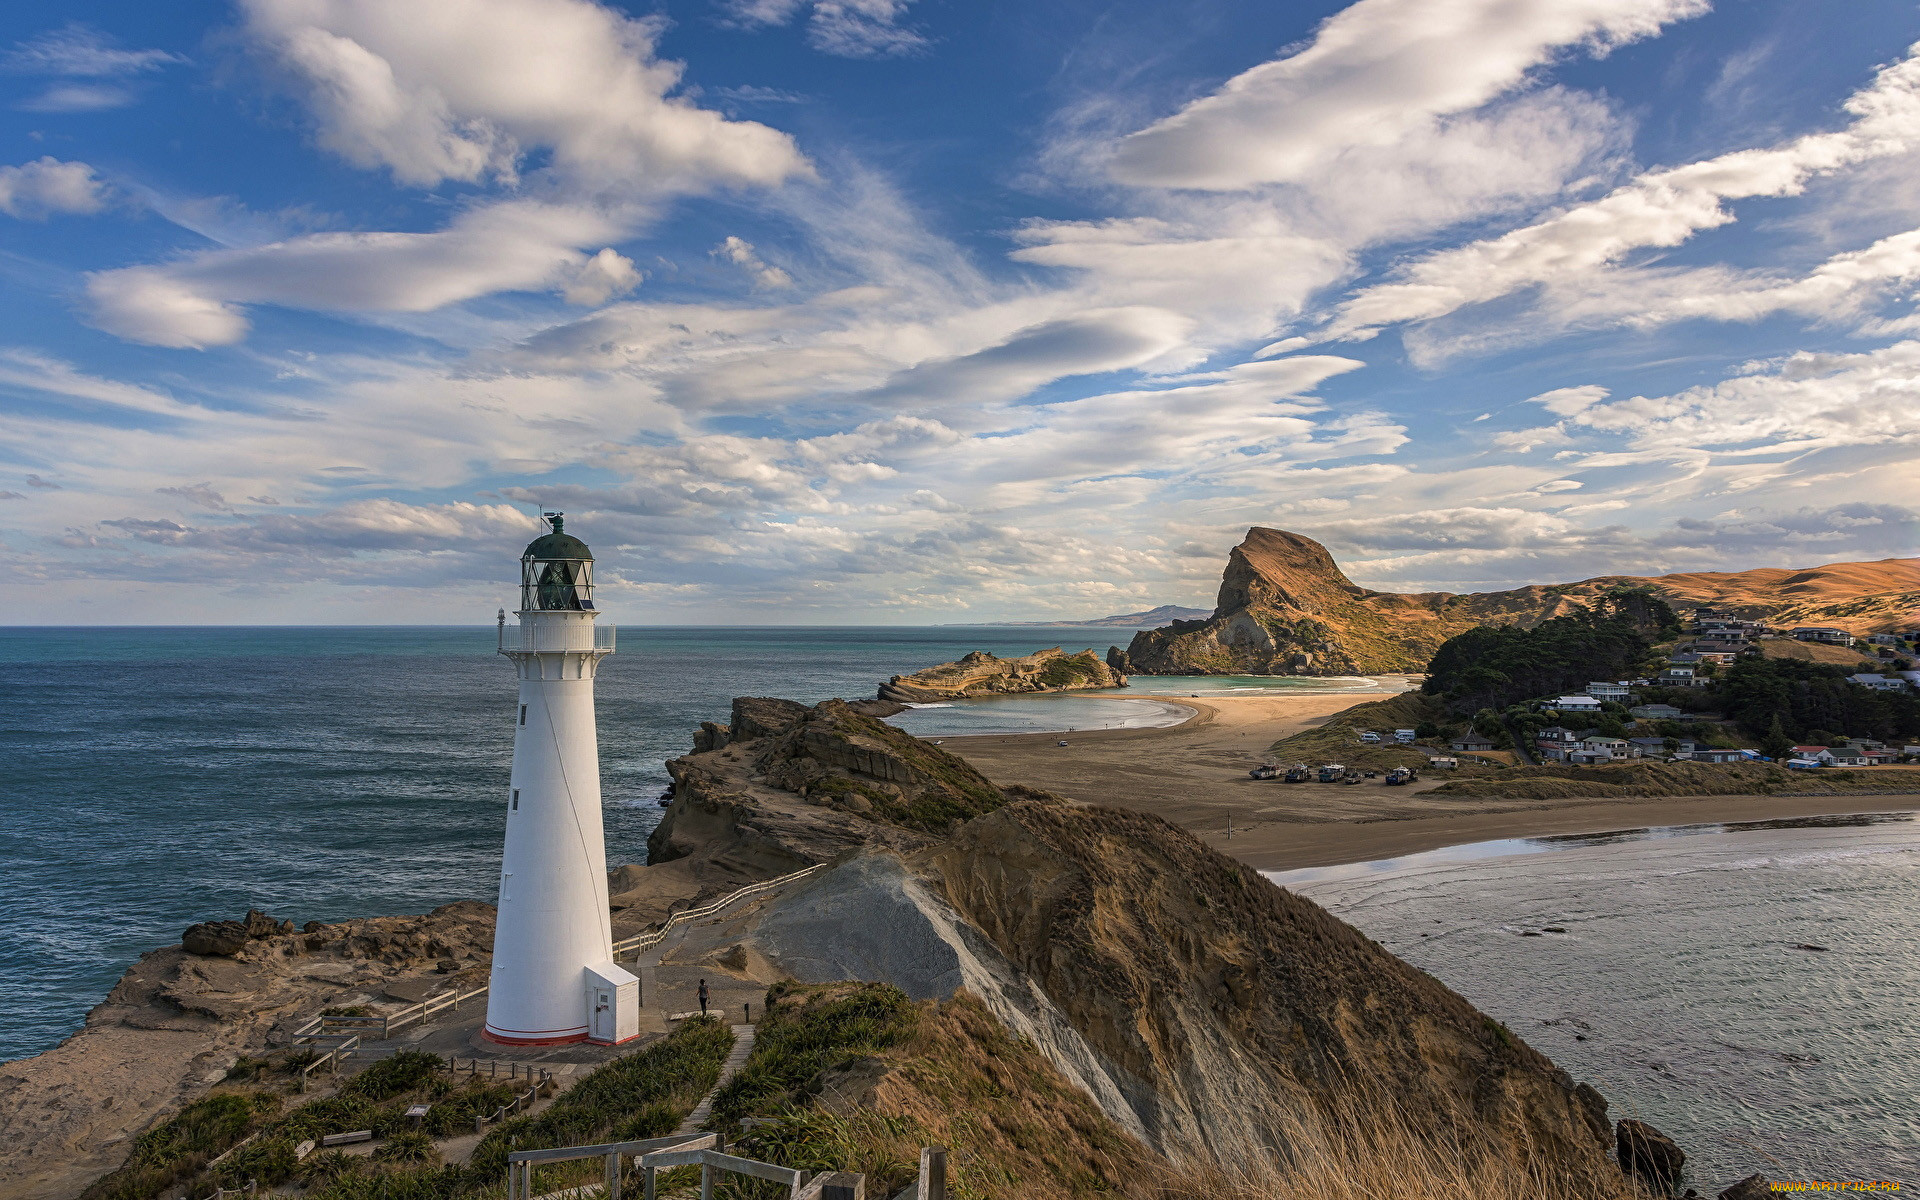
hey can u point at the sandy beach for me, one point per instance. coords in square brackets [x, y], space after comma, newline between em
[1195, 775]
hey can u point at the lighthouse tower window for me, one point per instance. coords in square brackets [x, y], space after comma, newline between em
[523, 714]
[516, 800]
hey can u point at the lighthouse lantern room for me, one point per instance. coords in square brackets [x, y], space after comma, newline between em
[554, 978]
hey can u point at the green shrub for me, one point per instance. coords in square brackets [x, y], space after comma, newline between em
[408, 1147]
[403, 1072]
[798, 1042]
[178, 1148]
[328, 1165]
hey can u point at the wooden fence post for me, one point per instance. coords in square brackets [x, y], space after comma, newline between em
[613, 1176]
[933, 1173]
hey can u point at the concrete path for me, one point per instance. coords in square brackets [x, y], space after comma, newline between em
[742, 1046]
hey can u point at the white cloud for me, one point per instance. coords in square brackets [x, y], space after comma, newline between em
[1564, 402]
[1660, 208]
[508, 246]
[849, 28]
[1374, 74]
[605, 275]
[741, 253]
[1804, 402]
[77, 49]
[46, 186]
[459, 89]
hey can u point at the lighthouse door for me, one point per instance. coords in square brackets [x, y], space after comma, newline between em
[603, 1018]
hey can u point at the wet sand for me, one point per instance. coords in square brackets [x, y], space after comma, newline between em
[1195, 775]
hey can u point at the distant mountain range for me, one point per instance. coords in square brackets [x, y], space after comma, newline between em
[1153, 618]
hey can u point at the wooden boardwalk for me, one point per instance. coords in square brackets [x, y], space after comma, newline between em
[742, 1046]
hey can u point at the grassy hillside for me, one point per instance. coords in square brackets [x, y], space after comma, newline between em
[854, 1076]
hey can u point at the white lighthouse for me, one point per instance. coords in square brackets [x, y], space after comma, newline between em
[554, 979]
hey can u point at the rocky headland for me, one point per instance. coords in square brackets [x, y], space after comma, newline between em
[1095, 971]
[1286, 608]
[983, 674]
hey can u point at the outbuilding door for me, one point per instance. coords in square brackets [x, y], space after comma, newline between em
[603, 1018]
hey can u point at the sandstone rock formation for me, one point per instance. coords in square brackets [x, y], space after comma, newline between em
[1286, 608]
[782, 786]
[178, 1019]
[982, 674]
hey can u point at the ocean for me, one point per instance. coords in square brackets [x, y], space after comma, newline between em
[1750, 990]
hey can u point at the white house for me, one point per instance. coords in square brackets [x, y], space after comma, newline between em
[1656, 712]
[1608, 691]
[1614, 747]
[1885, 639]
[1880, 683]
[1577, 704]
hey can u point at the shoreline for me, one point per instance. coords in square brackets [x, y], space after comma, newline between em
[1194, 775]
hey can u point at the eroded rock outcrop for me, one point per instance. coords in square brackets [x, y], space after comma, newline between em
[179, 1018]
[782, 786]
[982, 674]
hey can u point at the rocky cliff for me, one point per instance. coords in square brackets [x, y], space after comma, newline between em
[1286, 608]
[177, 1020]
[982, 674]
[782, 786]
[1205, 1011]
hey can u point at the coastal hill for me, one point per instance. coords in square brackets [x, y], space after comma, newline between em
[983, 674]
[1203, 1010]
[1286, 608]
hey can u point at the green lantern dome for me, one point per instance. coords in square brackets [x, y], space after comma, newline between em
[556, 572]
[557, 545]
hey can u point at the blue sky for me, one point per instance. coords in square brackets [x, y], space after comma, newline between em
[829, 311]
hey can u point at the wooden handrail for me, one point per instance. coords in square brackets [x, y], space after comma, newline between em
[653, 937]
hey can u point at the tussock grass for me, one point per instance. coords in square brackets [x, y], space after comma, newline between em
[1376, 1150]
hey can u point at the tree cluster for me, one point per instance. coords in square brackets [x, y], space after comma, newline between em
[1814, 702]
[1493, 666]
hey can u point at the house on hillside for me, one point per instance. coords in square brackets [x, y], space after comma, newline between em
[1724, 658]
[1653, 747]
[1846, 756]
[1711, 755]
[1656, 712]
[1683, 658]
[1548, 752]
[1823, 633]
[1557, 733]
[1604, 690]
[1614, 747]
[1577, 704]
[1819, 754]
[1884, 639]
[1589, 758]
[1471, 743]
[1678, 677]
[1880, 683]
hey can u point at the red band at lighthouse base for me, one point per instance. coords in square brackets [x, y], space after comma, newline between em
[534, 1037]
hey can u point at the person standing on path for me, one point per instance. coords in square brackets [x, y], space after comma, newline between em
[703, 997]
